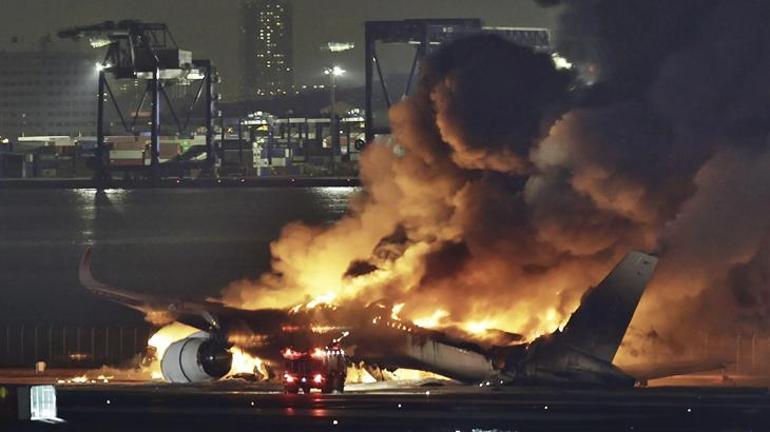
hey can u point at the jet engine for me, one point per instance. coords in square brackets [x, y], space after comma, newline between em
[198, 358]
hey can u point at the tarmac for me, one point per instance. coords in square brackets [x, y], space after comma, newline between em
[415, 406]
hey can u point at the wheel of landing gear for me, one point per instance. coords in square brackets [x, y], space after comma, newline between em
[306, 389]
[292, 390]
[329, 385]
[340, 384]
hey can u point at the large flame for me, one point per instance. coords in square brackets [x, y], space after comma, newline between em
[432, 321]
[528, 316]
[496, 204]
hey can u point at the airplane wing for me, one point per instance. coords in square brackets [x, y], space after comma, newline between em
[202, 315]
[133, 300]
[597, 327]
[645, 372]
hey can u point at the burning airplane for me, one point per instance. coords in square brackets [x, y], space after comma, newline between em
[580, 354]
[506, 189]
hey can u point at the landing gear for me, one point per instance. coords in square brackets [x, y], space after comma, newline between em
[334, 383]
[340, 387]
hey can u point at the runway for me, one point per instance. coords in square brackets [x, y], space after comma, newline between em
[238, 406]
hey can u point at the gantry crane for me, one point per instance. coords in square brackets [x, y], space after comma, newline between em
[147, 51]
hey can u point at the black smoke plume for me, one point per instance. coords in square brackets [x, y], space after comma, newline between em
[506, 190]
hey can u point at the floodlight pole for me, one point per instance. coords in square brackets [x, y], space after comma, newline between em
[333, 71]
[368, 106]
[155, 125]
[333, 127]
[100, 172]
[209, 100]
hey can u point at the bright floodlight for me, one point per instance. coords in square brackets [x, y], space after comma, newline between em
[340, 46]
[336, 71]
[102, 66]
[99, 42]
[195, 74]
[560, 62]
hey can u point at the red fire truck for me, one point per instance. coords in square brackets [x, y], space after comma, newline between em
[320, 368]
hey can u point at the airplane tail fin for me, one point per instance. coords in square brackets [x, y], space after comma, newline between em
[597, 327]
[650, 371]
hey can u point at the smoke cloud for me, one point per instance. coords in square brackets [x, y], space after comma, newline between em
[674, 136]
[507, 189]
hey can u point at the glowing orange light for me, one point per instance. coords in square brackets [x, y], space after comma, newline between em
[318, 353]
[396, 310]
[290, 354]
[478, 327]
[433, 320]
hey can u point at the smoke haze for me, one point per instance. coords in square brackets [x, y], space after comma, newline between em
[506, 189]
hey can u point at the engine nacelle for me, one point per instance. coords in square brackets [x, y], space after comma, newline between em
[197, 358]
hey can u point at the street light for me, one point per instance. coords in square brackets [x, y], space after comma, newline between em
[335, 71]
[336, 47]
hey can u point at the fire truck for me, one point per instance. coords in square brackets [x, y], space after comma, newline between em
[320, 368]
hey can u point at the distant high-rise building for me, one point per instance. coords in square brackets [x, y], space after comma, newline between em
[47, 93]
[266, 48]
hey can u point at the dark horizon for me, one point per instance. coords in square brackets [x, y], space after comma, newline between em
[217, 35]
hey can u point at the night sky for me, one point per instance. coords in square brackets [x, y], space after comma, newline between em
[211, 28]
